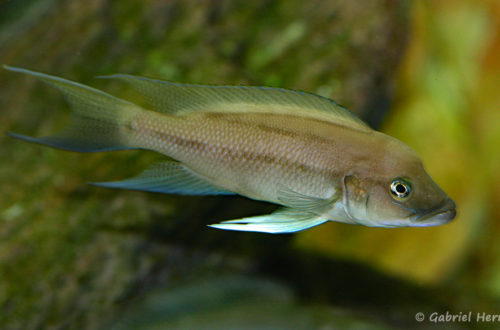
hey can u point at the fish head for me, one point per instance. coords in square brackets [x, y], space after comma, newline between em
[396, 191]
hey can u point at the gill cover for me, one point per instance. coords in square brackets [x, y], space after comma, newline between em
[355, 200]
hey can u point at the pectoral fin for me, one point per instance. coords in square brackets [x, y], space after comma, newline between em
[296, 200]
[281, 221]
[169, 178]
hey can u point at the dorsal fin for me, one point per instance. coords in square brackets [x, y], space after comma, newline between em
[177, 98]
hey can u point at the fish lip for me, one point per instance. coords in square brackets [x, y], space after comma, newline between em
[443, 213]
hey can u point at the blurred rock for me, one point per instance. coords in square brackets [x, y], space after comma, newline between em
[232, 302]
[71, 255]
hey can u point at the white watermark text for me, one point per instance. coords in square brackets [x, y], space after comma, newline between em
[457, 317]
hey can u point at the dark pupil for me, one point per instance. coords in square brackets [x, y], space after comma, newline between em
[400, 188]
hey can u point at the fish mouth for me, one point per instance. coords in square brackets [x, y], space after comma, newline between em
[443, 213]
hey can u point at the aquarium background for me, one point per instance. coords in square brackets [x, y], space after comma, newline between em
[78, 256]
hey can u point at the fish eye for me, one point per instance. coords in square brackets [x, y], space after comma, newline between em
[400, 188]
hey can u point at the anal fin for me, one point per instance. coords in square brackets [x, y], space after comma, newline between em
[282, 221]
[167, 177]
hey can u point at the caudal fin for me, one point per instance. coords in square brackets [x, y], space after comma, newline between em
[98, 122]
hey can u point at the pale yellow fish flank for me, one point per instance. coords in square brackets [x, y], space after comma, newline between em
[251, 154]
[299, 150]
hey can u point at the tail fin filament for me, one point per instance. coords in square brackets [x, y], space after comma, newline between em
[98, 120]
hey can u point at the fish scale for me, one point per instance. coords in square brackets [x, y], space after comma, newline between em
[222, 153]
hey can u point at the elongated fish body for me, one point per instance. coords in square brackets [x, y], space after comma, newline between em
[299, 150]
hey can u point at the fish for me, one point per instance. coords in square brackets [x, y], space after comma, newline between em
[314, 158]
